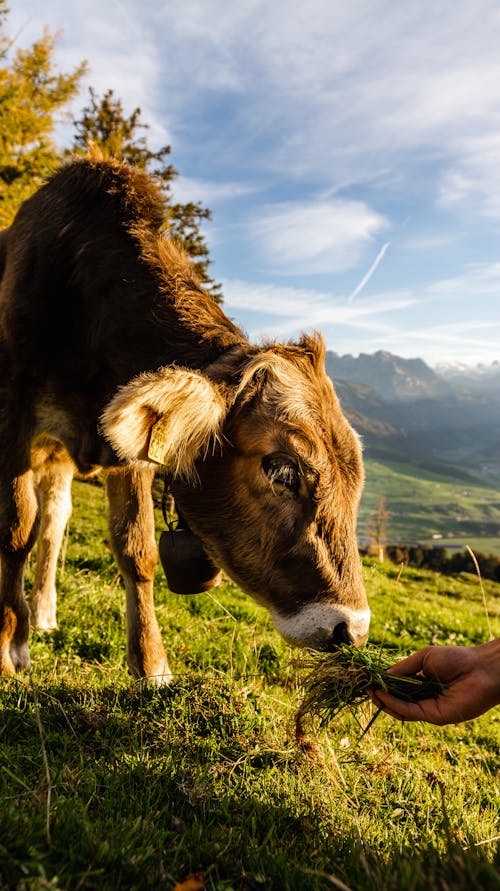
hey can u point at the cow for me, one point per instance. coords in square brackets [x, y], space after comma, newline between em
[113, 356]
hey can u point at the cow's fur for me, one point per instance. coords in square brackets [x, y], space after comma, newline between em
[105, 334]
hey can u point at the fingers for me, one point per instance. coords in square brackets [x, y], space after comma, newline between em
[438, 711]
[397, 708]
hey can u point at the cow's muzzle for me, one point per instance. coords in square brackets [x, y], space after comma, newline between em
[324, 626]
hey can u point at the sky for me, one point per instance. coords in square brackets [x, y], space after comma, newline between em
[349, 151]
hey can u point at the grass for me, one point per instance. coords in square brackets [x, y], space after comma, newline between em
[105, 784]
[343, 678]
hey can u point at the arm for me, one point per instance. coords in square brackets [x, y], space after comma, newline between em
[471, 676]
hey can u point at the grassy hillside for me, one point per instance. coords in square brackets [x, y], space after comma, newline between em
[423, 504]
[105, 784]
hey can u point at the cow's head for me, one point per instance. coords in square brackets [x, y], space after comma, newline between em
[268, 473]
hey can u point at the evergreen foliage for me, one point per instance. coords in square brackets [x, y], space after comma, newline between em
[32, 95]
[105, 124]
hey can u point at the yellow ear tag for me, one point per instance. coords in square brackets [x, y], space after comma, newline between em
[158, 439]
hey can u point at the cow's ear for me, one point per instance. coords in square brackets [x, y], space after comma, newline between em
[314, 346]
[171, 416]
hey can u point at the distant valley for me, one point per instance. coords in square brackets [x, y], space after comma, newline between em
[439, 427]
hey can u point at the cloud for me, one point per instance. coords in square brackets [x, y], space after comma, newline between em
[479, 281]
[315, 237]
[350, 117]
[208, 192]
[302, 307]
[354, 93]
[474, 178]
[405, 321]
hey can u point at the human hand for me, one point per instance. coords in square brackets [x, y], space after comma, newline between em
[471, 676]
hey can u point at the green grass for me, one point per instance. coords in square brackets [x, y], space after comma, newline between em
[105, 784]
[343, 678]
[422, 504]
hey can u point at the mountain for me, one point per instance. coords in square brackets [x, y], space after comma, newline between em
[445, 420]
[477, 379]
[391, 376]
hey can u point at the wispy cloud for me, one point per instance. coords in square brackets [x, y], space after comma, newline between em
[473, 179]
[315, 236]
[296, 307]
[407, 322]
[478, 281]
[210, 192]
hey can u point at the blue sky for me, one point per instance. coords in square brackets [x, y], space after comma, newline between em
[349, 151]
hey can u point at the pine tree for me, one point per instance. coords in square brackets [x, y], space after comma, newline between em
[105, 124]
[32, 93]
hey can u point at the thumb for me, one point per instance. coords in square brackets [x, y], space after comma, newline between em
[412, 664]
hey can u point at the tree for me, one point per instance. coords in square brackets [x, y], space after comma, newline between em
[377, 527]
[4, 43]
[32, 93]
[3, 13]
[105, 124]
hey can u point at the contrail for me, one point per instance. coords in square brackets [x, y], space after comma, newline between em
[366, 278]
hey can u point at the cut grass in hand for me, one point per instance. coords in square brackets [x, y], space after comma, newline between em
[341, 679]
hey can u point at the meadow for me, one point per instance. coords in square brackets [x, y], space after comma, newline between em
[108, 784]
[423, 504]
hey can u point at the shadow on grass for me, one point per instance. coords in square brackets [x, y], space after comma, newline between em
[144, 787]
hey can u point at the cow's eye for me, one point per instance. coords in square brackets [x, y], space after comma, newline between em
[282, 471]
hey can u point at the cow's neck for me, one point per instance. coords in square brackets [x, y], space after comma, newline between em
[195, 333]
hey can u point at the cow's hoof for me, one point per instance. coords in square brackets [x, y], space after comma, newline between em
[43, 612]
[41, 623]
[20, 655]
[161, 680]
[160, 677]
[15, 658]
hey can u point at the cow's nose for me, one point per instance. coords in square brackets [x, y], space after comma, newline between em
[342, 635]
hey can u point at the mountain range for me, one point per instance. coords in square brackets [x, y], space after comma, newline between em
[445, 420]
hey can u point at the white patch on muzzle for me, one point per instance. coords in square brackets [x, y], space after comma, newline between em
[313, 626]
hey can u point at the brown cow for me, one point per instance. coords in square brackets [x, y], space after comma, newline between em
[105, 334]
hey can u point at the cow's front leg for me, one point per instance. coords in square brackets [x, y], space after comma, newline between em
[54, 474]
[18, 515]
[131, 523]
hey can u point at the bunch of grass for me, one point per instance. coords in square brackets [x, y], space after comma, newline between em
[341, 679]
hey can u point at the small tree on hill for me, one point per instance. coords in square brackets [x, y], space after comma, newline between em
[105, 124]
[377, 528]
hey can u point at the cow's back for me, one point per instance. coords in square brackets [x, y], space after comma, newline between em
[68, 258]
